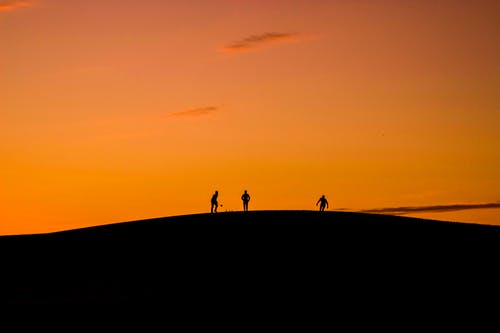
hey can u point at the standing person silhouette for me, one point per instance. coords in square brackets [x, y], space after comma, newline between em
[214, 203]
[322, 203]
[246, 198]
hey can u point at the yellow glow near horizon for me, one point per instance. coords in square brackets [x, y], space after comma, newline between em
[116, 111]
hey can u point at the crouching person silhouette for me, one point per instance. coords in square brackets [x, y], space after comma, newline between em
[323, 203]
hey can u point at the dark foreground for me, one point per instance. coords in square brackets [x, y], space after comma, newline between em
[281, 255]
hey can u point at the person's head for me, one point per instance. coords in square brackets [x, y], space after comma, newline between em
[216, 192]
[245, 191]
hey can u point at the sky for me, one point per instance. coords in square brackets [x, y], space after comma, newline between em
[115, 111]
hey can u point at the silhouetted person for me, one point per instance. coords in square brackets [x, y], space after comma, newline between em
[213, 201]
[246, 198]
[323, 203]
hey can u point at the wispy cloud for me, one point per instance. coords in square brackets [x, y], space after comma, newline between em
[8, 5]
[196, 112]
[430, 209]
[257, 41]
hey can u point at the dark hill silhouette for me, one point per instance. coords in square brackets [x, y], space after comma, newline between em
[244, 255]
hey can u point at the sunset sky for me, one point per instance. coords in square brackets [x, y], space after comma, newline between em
[119, 110]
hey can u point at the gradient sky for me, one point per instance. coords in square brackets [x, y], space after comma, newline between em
[119, 110]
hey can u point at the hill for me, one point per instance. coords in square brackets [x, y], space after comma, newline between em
[237, 254]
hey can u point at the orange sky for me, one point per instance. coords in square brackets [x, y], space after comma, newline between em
[122, 110]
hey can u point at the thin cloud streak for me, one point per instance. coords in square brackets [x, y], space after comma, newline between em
[9, 5]
[430, 209]
[256, 41]
[196, 112]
